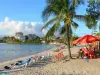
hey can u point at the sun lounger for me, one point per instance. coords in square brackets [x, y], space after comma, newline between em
[25, 63]
[28, 62]
[59, 55]
[43, 55]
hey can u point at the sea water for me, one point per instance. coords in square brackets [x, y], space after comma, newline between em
[12, 51]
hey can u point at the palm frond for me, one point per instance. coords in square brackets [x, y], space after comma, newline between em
[65, 37]
[91, 23]
[48, 11]
[53, 29]
[53, 7]
[80, 17]
[75, 3]
[62, 30]
[49, 22]
[74, 25]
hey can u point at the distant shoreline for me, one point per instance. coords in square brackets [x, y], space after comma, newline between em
[23, 43]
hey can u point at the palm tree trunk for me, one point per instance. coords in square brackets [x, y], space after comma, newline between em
[68, 41]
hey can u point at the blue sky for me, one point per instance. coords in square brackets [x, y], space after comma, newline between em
[25, 10]
[29, 11]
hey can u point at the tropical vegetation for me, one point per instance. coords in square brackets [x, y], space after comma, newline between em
[94, 11]
[13, 40]
[61, 14]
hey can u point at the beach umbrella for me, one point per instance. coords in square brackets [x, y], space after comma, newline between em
[86, 39]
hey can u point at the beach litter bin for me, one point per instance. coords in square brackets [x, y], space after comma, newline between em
[5, 73]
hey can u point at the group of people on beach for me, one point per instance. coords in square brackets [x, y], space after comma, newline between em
[8, 69]
[35, 58]
[88, 52]
[29, 61]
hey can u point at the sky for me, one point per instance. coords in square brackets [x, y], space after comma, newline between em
[25, 16]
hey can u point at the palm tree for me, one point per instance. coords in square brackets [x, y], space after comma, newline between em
[93, 10]
[63, 12]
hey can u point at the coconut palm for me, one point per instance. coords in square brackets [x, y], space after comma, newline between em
[61, 12]
[93, 10]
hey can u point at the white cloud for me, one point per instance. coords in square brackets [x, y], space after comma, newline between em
[20, 26]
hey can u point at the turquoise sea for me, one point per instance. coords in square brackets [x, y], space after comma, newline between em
[12, 51]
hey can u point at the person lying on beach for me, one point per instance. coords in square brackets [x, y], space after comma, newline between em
[24, 63]
[21, 63]
[7, 67]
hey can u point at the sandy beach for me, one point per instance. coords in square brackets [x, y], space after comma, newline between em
[72, 67]
[62, 67]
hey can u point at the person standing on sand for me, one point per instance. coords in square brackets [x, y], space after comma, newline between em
[86, 57]
[80, 53]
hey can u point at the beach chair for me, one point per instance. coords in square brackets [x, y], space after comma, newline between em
[43, 55]
[58, 57]
[25, 63]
